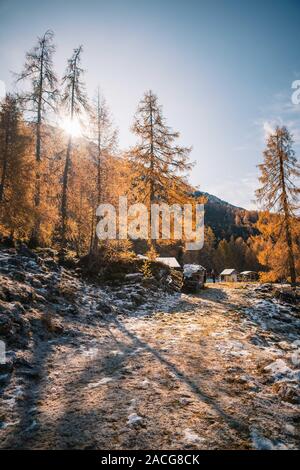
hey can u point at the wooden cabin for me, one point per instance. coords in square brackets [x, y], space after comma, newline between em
[229, 275]
[248, 276]
[194, 277]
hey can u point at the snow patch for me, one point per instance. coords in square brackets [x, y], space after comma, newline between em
[280, 371]
[260, 442]
[190, 437]
[103, 381]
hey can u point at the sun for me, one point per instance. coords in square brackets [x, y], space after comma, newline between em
[71, 126]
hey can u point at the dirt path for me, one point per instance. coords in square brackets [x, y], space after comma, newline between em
[193, 378]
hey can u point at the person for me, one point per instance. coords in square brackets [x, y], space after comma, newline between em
[213, 275]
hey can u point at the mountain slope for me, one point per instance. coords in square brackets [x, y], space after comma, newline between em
[227, 220]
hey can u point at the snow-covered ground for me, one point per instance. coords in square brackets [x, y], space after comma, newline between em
[129, 369]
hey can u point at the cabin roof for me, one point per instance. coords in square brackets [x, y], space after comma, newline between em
[189, 269]
[227, 272]
[168, 261]
[194, 266]
[171, 262]
[248, 272]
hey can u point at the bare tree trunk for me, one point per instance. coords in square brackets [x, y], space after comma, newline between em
[34, 239]
[3, 177]
[99, 170]
[287, 224]
[92, 237]
[64, 198]
[5, 161]
[151, 189]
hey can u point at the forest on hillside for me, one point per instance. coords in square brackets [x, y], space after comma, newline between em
[53, 177]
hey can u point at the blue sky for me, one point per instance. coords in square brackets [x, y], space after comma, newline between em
[222, 70]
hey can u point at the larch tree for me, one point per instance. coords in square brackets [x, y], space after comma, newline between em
[16, 163]
[103, 145]
[271, 248]
[279, 191]
[158, 162]
[159, 165]
[75, 102]
[38, 69]
[9, 117]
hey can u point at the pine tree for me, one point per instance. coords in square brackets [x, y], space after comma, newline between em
[206, 256]
[75, 101]
[38, 69]
[278, 191]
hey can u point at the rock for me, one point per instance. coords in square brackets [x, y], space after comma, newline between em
[281, 372]
[11, 321]
[284, 345]
[10, 243]
[52, 324]
[150, 282]
[259, 341]
[185, 401]
[32, 266]
[264, 288]
[19, 275]
[121, 295]
[5, 325]
[128, 306]
[47, 252]
[290, 429]
[39, 298]
[7, 366]
[260, 442]
[134, 419]
[31, 373]
[3, 378]
[288, 392]
[72, 309]
[137, 298]
[144, 384]
[104, 307]
[278, 368]
[36, 283]
[32, 427]
[51, 264]
[288, 297]
[25, 251]
[134, 277]
[12, 291]
[295, 358]
[22, 362]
